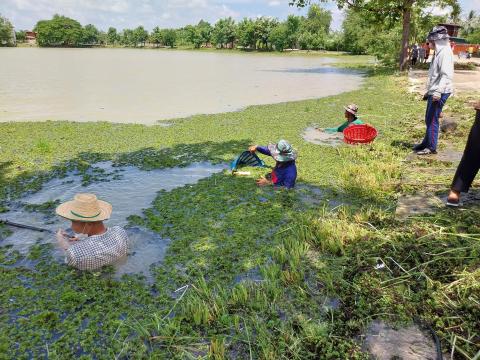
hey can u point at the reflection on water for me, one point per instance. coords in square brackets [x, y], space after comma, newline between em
[144, 86]
[130, 191]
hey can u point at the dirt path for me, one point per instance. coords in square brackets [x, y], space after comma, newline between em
[465, 81]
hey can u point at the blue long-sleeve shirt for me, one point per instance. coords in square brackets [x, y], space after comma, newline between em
[286, 172]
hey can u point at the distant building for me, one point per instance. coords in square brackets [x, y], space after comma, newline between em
[452, 29]
[31, 37]
[459, 45]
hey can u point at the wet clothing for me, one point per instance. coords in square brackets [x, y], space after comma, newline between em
[432, 116]
[98, 250]
[285, 173]
[343, 126]
[470, 163]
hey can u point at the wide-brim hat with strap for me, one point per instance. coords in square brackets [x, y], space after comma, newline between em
[352, 109]
[86, 208]
[282, 151]
[438, 33]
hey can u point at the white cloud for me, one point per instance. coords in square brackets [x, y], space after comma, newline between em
[150, 13]
[274, 3]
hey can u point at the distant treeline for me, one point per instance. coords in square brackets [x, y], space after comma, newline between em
[310, 32]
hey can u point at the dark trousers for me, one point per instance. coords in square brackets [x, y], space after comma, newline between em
[470, 163]
[432, 116]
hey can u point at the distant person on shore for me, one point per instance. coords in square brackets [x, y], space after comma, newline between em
[421, 54]
[414, 54]
[102, 246]
[469, 165]
[284, 174]
[439, 88]
[351, 119]
[427, 51]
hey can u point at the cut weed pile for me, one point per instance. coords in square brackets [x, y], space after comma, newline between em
[322, 273]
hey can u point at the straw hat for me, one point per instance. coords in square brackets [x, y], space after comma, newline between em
[352, 109]
[85, 208]
[282, 151]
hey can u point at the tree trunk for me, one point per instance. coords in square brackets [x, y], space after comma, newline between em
[407, 15]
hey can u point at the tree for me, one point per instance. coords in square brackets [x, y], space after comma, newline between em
[168, 36]
[391, 13]
[246, 35]
[127, 38]
[90, 35]
[318, 20]
[140, 36]
[6, 32]
[263, 27]
[205, 31]
[59, 31]
[194, 36]
[224, 32]
[292, 27]
[21, 35]
[279, 37]
[112, 36]
[155, 36]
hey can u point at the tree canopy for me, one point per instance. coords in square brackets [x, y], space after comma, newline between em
[390, 15]
[6, 32]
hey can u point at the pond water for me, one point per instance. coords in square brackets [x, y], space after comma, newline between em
[316, 136]
[144, 86]
[128, 189]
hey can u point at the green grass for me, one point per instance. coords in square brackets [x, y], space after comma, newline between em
[201, 303]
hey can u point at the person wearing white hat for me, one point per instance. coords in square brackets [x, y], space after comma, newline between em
[103, 245]
[439, 88]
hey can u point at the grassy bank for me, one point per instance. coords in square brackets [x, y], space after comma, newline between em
[250, 272]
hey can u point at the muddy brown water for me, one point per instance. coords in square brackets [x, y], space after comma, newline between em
[130, 190]
[144, 86]
[318, 137]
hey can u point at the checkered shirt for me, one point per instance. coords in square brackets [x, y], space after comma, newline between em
[98, 250]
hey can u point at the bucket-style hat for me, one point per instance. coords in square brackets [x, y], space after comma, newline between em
[438, 33]
[352, 109]
[282, 151]
[86, 208]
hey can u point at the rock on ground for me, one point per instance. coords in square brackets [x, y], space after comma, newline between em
[410, 343]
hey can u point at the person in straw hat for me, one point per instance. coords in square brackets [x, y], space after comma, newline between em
[284, 174]
[103, 245]
[351, 117]
[439, 88]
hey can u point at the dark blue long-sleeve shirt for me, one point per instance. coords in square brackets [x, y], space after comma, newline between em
[286, 172]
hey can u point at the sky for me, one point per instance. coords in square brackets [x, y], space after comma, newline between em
[121, 14]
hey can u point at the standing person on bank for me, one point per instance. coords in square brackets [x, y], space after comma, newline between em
[102, 246]
[469, 165]
[439, 88]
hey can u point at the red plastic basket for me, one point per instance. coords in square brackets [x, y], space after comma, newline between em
[359, 134]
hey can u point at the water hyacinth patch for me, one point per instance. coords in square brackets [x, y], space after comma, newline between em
[224, 227]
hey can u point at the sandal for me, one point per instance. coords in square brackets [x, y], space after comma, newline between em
[453, 203]
[426, 151]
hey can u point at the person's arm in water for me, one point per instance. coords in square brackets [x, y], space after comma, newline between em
[343, 126]
[64, 239]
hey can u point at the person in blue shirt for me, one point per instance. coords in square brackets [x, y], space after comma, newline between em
[284, 174]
